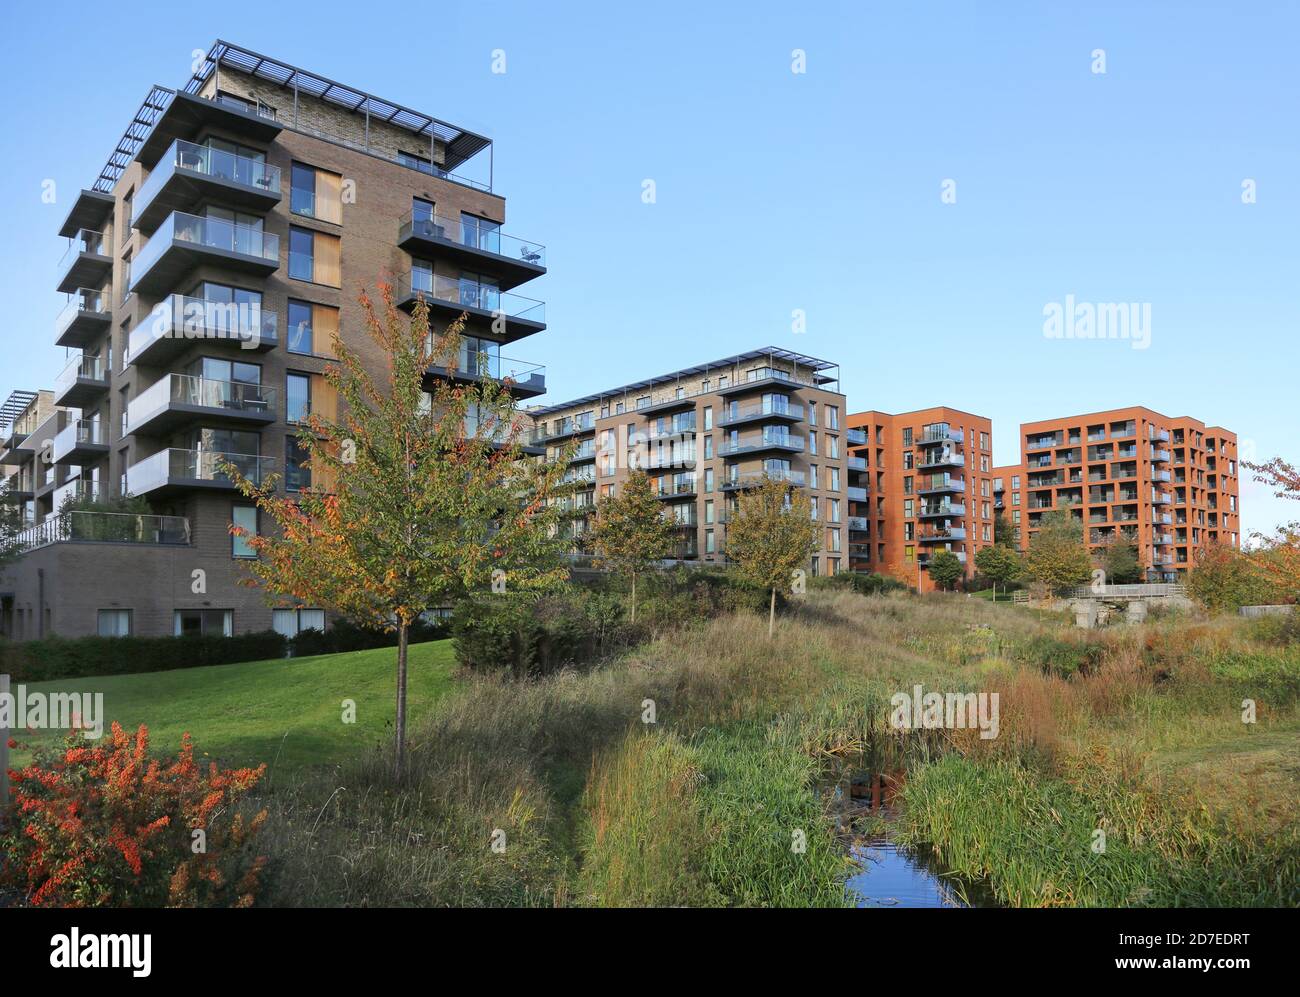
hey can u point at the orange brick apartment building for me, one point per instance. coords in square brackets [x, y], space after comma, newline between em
[1170, 485]
[923, 482]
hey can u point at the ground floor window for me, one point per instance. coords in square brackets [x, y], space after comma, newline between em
[206, 622]
[114, 623]
[291, 622]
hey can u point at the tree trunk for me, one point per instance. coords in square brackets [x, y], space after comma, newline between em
[771, 615]
[401, 699]
[634, 597]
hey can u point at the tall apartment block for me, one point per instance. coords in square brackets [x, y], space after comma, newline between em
[704, 434]
[924, 483]
[1167, 484]
[207, 268]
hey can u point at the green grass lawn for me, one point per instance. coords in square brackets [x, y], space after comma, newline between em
[286, 711]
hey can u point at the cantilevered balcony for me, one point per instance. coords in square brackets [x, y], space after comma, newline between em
[179, 399]
[183, 242]
[82, 381]
[81, 442]
[85, 262]
[186, 115]
[562, 429]
[940, 534]
[940, 483]
[857, 437]
[752, 479]
[171, 470]
[934, 510]
[450, 296]
[766, 441]
[677, 486]
[859, 524]
[190, 173]
[940, 458]
[941, 433]
[474, 244]
[767, 378]
[179, 322]
[85, 318]
[527, 380]
[857, 493]
[924, 559]
[760, 412]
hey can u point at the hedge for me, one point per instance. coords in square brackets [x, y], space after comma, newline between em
[78, 657]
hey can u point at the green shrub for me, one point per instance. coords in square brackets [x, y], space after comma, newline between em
[863, 584]
[1062, 658]
[77, 657]
[530, 636]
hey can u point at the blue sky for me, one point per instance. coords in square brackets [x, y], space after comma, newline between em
[818, 191]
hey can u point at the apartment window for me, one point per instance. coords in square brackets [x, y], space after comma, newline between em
[316, 193]
[812, 475]
[126, 276]
[835, 541]
[708, 417]
[708, 510]
[291, 622]
[833, 447]
[708, 448]
[984, 509]
[812, 507]
[681, 393]
[708, 479]
[203, 622]
[643, 402]
[812, 413]
[244, 517]
[909, 554]
[296, 476]
[907, 508]
[907, 484]
[298, 397]
[909, 531]
[244, 104]
[414, 162]
[710, 545]
[834, 510]
[909, 460]
[984, 441]
[907, 436]
[311, 328]
[113, 623]
[620, 408]
[812, 444]
[832, 417]
[314, 256]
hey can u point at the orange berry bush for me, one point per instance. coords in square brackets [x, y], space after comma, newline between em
[104, 824]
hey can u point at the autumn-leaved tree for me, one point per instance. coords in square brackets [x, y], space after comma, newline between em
[999, 563]
[772, 534]
[1278, 556]
[1057, 555]
[944, 568]
[1224, 578]
[631, 532]
[419, 491]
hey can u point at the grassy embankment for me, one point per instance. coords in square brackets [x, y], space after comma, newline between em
[706, 805]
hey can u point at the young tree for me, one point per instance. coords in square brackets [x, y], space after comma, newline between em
[1003, 535]
[631, 531]
[1120, 562]
[1224, 579]
[1057, 555]
[945, 569]
[999, 563]
[771, 535]
[419, 495]
[11, 526]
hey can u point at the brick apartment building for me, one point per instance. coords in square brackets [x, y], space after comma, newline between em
[1167, 484]
[223, 243]
[924, 483]
[706, 433]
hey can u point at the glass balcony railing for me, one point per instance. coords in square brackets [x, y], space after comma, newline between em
[209, 233]
[74, 434]
[741, 413]
[462, 293]
[85, 241]
[760, 441]
[180, 316]
[105, 527]
[81, 367]
[174, 465]
[942, 434]
[561, 428]
[81, 301]
[473, 234]
[205, 392]
[205, 161]
[498, 367]
[746, 479]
